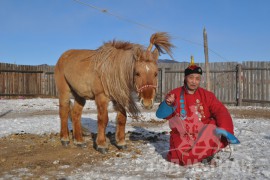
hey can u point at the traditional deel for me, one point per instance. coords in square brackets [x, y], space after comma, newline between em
[193, 125]
[199, 111]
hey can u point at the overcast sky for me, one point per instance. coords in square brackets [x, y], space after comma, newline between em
[34, 32]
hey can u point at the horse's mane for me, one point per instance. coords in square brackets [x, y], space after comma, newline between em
[115, 64]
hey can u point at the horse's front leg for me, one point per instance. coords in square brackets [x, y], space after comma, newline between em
[120, 129]
[102, 106]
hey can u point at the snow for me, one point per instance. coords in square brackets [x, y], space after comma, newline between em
[249, 160]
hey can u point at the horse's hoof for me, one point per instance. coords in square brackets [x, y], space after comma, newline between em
[103, 150]
[81, 145]
[121, 147]
[65, 143]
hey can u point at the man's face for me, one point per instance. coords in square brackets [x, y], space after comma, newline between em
[193, 81]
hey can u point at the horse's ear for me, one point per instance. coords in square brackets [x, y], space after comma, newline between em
[155, 54]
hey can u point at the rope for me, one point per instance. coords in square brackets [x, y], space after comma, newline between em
[115, 15]
[106, 11]
[219, 150]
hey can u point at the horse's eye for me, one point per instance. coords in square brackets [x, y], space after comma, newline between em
[138, 74]
[155, 74]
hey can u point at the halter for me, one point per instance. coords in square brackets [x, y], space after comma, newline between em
[145, 86]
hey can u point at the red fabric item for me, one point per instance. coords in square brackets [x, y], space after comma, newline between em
[193, 139]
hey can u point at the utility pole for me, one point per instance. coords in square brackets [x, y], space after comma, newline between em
[208, 83]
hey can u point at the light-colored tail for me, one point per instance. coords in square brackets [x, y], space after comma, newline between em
[161, 40]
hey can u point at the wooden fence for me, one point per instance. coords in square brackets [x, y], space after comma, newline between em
[255, 82]
[246, 83]
[20, 80]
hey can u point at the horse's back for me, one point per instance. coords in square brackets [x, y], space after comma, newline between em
[73, 58]
[75, 68]
[76, 54]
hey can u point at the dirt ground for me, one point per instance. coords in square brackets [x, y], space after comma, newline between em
[252, 113]
[44, 154]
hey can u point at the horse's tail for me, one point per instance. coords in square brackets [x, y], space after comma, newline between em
[161, 40]
[85, 130]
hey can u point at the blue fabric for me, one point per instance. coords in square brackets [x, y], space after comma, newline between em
[230, 137]
[164, 110]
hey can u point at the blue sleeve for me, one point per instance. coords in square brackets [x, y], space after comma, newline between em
[230, 137]
[164, 110]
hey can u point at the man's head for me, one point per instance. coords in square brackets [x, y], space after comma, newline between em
[193, 69]
[193, 77]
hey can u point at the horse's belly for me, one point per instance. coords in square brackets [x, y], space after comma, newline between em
[81, 86]
[86, 95]
[84, 92]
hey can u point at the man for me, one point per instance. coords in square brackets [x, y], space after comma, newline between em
[199, 122]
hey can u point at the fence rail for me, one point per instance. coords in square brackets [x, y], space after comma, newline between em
[246, 83]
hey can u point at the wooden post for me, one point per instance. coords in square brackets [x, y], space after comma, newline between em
[163, 83]
[239, 91]
[208, 83]
[44, 81]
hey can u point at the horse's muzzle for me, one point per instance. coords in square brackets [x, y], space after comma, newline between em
[147, 103]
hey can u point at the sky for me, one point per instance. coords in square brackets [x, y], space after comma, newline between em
[34, 32]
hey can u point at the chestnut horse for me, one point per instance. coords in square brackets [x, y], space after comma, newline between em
[110, 73]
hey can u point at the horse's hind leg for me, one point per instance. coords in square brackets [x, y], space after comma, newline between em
[120, 130]
[64, 113]
[64, 106]
[76, 113]
[102, 105]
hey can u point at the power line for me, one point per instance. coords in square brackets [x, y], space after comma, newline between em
[106, 11]
[115, 15]
[201, 45]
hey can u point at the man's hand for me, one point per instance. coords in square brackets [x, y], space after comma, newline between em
[170, 98]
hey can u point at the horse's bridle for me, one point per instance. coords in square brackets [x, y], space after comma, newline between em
[146, 86]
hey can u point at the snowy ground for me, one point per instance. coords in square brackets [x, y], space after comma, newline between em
[249, 160]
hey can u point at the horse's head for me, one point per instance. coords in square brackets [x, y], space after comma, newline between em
[145, 78]
[146, 68]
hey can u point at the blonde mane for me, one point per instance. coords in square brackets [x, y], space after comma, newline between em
[114, 62]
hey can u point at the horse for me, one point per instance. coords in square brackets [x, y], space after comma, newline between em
[110, 73]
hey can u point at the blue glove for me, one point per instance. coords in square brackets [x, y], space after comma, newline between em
[230, 137]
